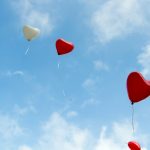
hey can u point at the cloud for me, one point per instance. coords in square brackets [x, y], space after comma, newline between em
[58, 133]
[35, 13]
[71, 114]
[89, 83]
[115, 18]
[24, 110]
[9, 127]
[11, 132]
[17, 74]
[24, 147]
[14, 73]
[144, 61]
[117, 139]
[107, 143]
[10, 73]
[90, 102]
[99, 65]
[91, 87]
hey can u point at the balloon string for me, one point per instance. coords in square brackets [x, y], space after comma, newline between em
[63, 91]
[58, 65]
[133, 119]
[27, 50]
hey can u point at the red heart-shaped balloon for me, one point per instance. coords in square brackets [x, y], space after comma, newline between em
[138, 88]
[63, 47]
[134, 145]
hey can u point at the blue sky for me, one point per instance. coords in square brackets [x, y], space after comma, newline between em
[83, 104]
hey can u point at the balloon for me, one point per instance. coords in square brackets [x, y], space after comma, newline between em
[30, 32]
[63, 47]
[137, 87]
[134, 145]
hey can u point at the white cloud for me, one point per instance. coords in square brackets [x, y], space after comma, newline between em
[9, 127]
[35, 13]
[144, 60]
[89, 83]
[24, 110]
[90, 102]
[99, 65]
[14, 73]
[91, 86]
[117, 18]
[24, 147]
[10, 73]
[107, 143]
[17, 74]
[58, 134]
[71, 114]
[118, 138]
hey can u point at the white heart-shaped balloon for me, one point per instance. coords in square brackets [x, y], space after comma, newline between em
[30, 32]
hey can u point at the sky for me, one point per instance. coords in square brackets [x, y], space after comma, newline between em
[83, 103]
